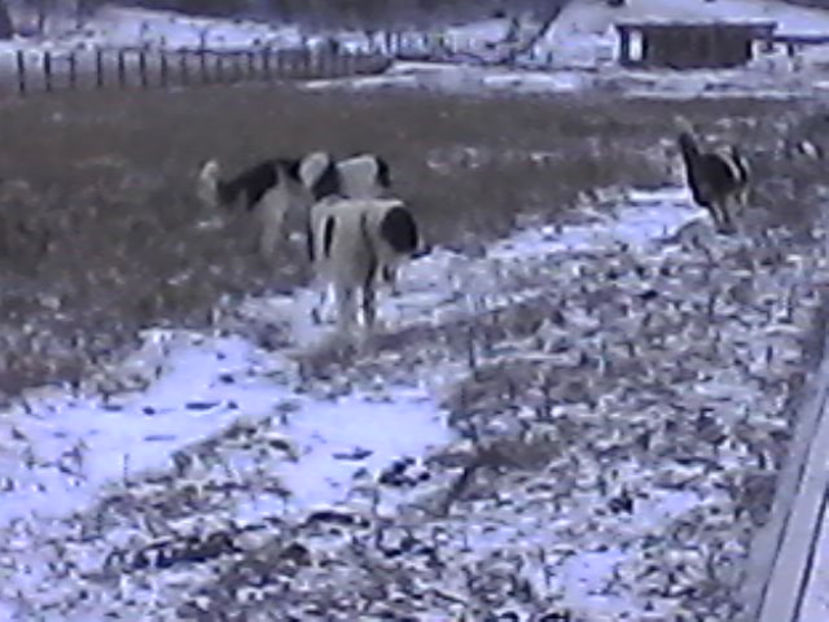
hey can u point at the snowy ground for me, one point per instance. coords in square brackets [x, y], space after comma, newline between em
[126, 27]
[585, 418]
[565, 423]
[446, 77]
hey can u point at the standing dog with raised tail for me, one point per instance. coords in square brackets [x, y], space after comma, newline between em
[715, 178]
[271, 188]
[353, 240]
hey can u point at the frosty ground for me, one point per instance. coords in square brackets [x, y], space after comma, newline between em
[589, 409]
[577, 407]
[584, 421]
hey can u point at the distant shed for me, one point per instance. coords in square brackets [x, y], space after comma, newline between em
[717, 44]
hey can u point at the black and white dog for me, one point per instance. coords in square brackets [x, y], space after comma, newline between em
[360, 176]
[271, 188]
[275, 187]
[715, 178]
[354, 240]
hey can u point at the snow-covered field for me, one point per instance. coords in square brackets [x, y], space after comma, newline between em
[585, 419]
[686, 85]
[125, 27]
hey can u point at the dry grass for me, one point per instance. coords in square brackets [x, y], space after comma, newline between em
[98, 232]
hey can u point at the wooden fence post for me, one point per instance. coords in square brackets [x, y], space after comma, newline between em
[319, 64]
[251, 65]
[47, 70]
[309, 63]
[73, 70]
[266, 63]
[163, 68]
[99, 68]
[21, 72]
[324, 64]
[182, 66]
[122, 69]
[203, 65]
[237, 66]
[142, 68]
[219, 67]
[281, 63]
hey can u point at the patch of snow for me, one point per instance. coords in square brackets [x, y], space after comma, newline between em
[529, 81]
[480, 32]
[112, 26]
[586, 576]
[407, 425]
[463, 79]
[754, 81]
[364, 82]
[652, 215]
[75, 445]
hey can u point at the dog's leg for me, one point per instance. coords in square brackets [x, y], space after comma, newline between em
[728, 223]
[317, 309]
[389, 276]
[369, 304]
[273, 210]
[714, 212]
[346, 308]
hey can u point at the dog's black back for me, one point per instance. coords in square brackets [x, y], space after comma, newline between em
[399, 230]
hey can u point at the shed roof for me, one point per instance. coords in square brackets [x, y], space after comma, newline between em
[664, 22]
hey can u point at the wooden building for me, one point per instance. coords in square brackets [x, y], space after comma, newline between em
[708, 44]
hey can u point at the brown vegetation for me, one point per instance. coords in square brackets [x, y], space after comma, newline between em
[100, 232]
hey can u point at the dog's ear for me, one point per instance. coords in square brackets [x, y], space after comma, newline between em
[293, 169]
[383, 172]
[203, 164]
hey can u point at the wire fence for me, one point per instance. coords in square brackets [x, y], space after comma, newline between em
[26, 71]
[144, 68]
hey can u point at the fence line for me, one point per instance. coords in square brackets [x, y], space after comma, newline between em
[146, 68]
